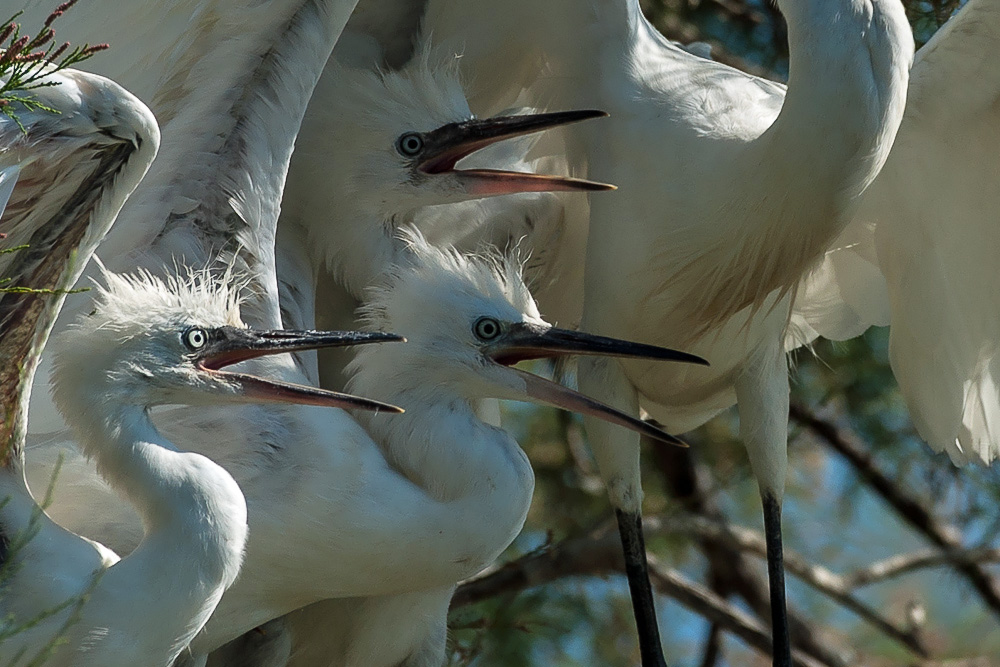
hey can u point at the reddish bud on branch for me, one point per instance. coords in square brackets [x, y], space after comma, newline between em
[7, 31]
[58, 52]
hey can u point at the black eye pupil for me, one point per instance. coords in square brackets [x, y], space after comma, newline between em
[410, 144]
[195, 338]
[487, 328]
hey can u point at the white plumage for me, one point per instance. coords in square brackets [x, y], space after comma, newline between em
[733, 189]
[729, 191]
[428, 498]
[936, 211]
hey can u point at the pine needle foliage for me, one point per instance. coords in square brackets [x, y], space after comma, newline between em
[27, 60]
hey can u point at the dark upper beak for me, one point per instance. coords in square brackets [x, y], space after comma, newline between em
[231, 345]
[525, 341]
[528, 341]
[448, 144]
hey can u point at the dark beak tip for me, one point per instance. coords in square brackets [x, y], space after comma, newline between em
[586, 114]
[673, 440]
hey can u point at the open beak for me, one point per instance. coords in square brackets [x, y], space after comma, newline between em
[231, 345]
[527, 341]
[448, 144]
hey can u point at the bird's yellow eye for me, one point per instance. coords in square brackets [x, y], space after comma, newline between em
[195, 338]
[486, 328]
[410, 144]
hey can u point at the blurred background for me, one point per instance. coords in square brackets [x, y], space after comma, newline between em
[891, 553]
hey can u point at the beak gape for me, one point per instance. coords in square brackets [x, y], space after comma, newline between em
[448, 144]
[524, 341]
[230, 345]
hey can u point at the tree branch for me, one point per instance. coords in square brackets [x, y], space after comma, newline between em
[687, 480]
[599, 553]
[908, 506]
[703, 602]
[899, 564]
[817, 576]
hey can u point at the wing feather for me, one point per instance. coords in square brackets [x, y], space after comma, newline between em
[933, 216]
[74, 170]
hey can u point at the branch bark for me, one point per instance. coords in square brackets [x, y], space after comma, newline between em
[899, 564]
[599, 553]
[908, 506]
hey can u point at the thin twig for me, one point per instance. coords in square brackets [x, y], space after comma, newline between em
[899, 564]
[907, 505]
[816, 576]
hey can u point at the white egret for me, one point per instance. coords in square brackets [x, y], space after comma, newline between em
[375, 519]
[148, 343]
[729, 192]
[379, 150]
[468, 321]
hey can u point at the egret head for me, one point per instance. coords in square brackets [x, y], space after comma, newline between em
[151, 342]
[400, 135]
[469, 320]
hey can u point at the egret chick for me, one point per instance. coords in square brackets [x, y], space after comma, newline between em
[150, 342]
[382, 150]
[468, 320]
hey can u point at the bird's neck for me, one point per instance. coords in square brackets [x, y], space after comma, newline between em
[477, 471]
[789, 191]
[361, 252]
[848, 71]
[441, 443]
[188, 504]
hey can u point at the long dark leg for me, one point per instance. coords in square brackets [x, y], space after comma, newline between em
[781, 647]
[634, 546]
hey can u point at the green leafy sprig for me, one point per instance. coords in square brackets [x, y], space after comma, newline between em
[27, 60]
[6, 288]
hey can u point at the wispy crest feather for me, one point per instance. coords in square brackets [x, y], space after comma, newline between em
[142, 299]
[443, 275]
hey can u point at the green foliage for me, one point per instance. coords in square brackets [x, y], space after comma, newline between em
[27, 60]
[6, 288]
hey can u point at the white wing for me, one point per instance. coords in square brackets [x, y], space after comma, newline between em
[934, 216]
[8, 178]
[937, 209]
[73, 171]
[229, 89]
[228, 81]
